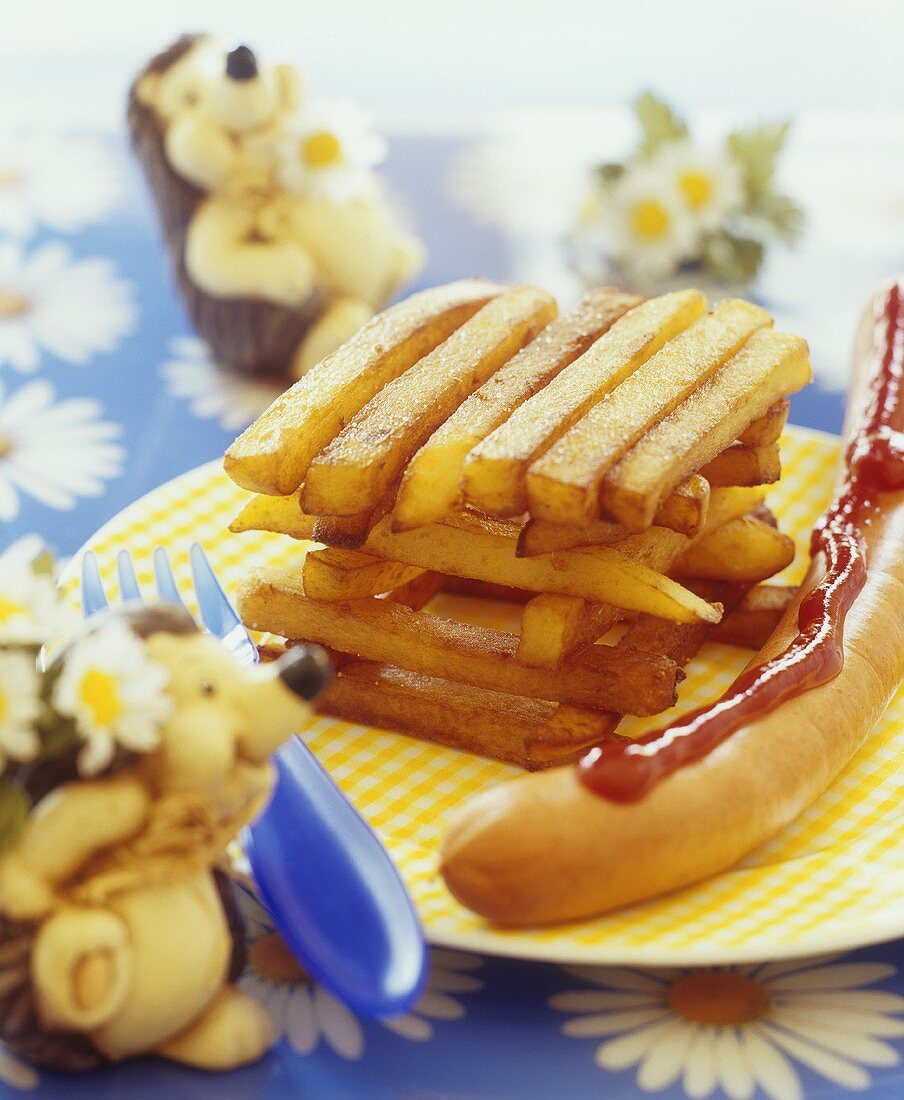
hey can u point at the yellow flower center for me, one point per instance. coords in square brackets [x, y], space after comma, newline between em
[271, 959]
[322, 149]
[718, 998]
[696, 188]
[9, 178]
[650, 220]
[9, 608]
[13, 304]
[99, 692]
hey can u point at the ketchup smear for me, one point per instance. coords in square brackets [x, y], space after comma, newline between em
[874, 463]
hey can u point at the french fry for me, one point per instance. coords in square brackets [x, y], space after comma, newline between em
[740, 465]
[767, 428]
[486, 590]
[553, 628]
[353, 472]
[493, 478]
[750, 624]
[769, 365]
[419, 591]
[568, 734]
[461, 716]
[744, 550]
[563, 485]
[683, 511]
[430, 485]
[347, 574]
[273, 454]
[599, 574]
[275, 601]
[281, 515]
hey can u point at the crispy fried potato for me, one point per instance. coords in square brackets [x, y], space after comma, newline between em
[282, 515]
[458, 715]
[377, 630]
[553, 628]
[348, 574]
[430, 485]
[486, 590]
[419, 591]
[493, 478]
[750, 624]
[353, 472]
[767, 428]
[568, 734]
[746, 549]
[563, 485]
[769, 365]
[683, 511]
[273, 454]
[740, 465]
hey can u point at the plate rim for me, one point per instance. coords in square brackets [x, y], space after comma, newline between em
[510, 943]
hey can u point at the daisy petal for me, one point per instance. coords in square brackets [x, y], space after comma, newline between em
[627, 1050]
[774, 1072]
[589, 1000]
[617, 977]
[861, 1048]
[665, 1061]
[409, 1026]
[440, 1007]
[340, 1028]
[700, 1065]
[300, 1022]
[842, 976]
[609, 1023]
[823, 1062]
[731, 1066]
[445, 981]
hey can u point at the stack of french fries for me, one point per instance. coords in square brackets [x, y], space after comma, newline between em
[604, 470]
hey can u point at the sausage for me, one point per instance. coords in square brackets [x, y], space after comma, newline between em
[543, 848]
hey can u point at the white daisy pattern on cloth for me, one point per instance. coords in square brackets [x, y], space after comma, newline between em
[115, 693]
[16, 1074]
[30, 613]
[710, 182]
[304, 1013]
[53, 451]
[212, 393]
[61, 182]
[330, 153]
[50, 302]
[734, 1031]
[20, 707]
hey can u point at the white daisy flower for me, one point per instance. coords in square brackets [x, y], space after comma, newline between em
[736, 1030]
[20, 707]
[60, 182]
[30, 611]
[710, 183]
[330, 153]
[54, 452]
[304, 1013]
[213, 394]
[650, 228]
[15, 1073]
[115, 693]
[50, 302]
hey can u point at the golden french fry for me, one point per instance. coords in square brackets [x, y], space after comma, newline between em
[281, 515]
[347, 574]
[353, 472]
[769, 365]
[377, 630]
[745, 549]
[563, 485]
[568, 734]
[740, 465]
[750, 624]
[553, 628]
[457, 715]
[419, 591]
[493, 478]
[486, 590]
[430, 485]
[273, 454]
[683, 511]
[767, 428]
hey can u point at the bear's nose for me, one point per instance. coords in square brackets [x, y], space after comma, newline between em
[241, 64]
[305, 670]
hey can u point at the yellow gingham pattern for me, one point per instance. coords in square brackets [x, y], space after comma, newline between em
[833, 879]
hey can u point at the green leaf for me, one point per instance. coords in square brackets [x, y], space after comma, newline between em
[43, 564]
[609, 173]
[731, 257]
[757, 150]
[14, 807]
[659, 123]
[781, 214]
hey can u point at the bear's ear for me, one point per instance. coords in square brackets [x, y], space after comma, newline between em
[146, 89]
[288, 83]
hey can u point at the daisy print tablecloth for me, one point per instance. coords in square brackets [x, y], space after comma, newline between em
[106, 393]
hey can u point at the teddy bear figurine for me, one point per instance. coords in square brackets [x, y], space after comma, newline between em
[281, 238]
[118, 932]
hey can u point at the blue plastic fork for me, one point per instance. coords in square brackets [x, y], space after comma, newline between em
[331, 888]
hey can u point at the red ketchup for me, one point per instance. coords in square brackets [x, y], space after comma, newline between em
[874, 463]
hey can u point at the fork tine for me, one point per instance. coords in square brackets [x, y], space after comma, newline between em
[167, 589]
[217, 613]
[94, 598]
[128, 582]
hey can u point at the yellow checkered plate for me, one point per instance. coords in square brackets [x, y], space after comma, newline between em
[834, 879]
